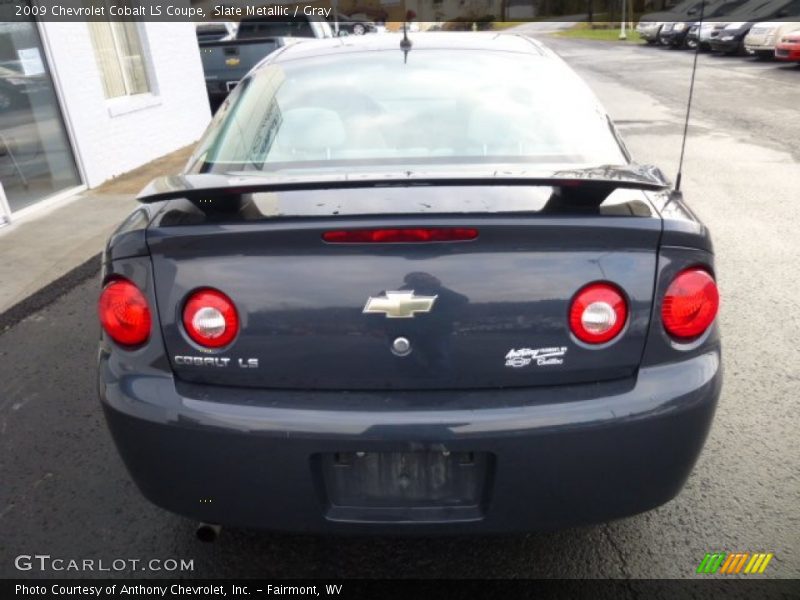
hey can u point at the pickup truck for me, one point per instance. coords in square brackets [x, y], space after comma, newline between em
[226, 62]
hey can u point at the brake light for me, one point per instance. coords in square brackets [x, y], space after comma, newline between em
[690, 304]
[598, 313]
[398, 236]
[210, 318]
[124, 313]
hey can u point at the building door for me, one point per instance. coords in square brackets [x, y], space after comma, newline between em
[36, 159]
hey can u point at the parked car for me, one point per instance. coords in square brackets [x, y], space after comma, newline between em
[410, 290]
[673, 34]
[730, 39]
[649, 31]
[215, 31]
[693, 37]
[354, 26]
[788, 48]
[650, 24]
[705, 31]
[225, 62]
[676, 34]
[762, 38]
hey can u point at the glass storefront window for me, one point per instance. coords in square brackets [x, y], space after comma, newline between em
[36, 159]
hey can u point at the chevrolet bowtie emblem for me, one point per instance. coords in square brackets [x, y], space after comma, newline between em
[400, 305]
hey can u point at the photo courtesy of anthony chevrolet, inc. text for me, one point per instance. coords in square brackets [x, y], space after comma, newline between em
[400, 298]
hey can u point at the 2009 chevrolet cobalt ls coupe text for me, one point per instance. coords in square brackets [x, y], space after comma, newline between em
[410, 289]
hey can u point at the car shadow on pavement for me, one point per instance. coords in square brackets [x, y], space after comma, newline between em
[567, 553]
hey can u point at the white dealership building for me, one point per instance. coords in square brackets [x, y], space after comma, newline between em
[83, 102]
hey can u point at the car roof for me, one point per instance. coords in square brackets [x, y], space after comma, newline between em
[499, 42]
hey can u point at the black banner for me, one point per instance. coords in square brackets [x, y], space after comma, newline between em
[470, 14]
[254, 589]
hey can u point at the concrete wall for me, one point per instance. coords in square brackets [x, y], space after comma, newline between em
[112, 136]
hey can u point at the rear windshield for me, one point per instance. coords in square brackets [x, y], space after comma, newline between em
[365, 110]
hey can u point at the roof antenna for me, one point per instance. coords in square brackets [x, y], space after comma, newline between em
[405, 43]
[679, 176]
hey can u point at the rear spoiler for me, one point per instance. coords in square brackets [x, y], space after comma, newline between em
[581, 187]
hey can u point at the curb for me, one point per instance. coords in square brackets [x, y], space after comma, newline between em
[49, 293]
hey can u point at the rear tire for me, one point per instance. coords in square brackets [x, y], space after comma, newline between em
[358, 29]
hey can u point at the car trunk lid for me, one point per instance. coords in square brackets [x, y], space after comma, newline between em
[488, 312]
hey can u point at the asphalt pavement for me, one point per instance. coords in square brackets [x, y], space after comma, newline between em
[64, 491]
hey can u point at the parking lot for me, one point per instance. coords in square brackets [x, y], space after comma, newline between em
[64, 491]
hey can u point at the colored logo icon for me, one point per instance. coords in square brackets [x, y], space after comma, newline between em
[734, 562]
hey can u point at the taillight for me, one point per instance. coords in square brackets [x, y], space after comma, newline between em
[598, 313]
[397, 236]
[210, 318]
[690, 304]
[124, 313]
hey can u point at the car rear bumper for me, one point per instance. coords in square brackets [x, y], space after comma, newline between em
[559, 457]
[754, 46]
[649, 33]
[718, 45]
[673, 38]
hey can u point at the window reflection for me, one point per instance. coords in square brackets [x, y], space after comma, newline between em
[441, 107]
[35, 156]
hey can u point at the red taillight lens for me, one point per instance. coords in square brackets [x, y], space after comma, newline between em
[210, 318]
[690, 304]
[598, 313]
[399, 236]
[124, 313]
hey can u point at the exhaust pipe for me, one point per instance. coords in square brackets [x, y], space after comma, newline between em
[208, 532]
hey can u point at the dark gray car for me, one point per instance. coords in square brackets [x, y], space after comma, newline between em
[416, 290]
